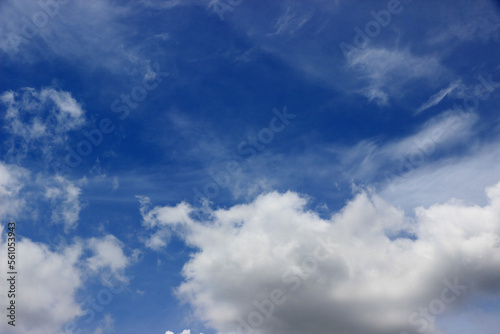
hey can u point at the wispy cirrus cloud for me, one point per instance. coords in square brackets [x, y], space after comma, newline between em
[439, 96]
[462, 177]
[93, 34]
[292, 20]
[387, 71]
[478, 22]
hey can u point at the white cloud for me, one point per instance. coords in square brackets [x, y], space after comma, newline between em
[374, 93]
[438, 97]
[69, 112]
[107, 255]
[89, 34]
[48, 281]
[64, 196]
[158, 240]
[370, 158]
[462, 177]
[444, 130]
[466, 22]
[11, 182]
[388, 71]
[186, 331]
[162, 215]
[115, 183]
[292, 20]
[42, 119]
[33, 114]
[105, 324]
[372, 282]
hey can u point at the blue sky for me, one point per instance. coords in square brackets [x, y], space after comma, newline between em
[237, 166]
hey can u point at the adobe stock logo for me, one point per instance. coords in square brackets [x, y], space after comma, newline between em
[93, 305]
[265, 136]
[373, 28]
[423, 149]
[31, 28]
[293, 278]
[94, 137]
[426, 316]
[248, 148]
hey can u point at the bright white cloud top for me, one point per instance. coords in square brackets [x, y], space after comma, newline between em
[272, 266]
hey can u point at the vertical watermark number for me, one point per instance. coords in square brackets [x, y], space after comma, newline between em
[11, 273]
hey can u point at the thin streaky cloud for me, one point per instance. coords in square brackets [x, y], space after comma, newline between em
[438, 97]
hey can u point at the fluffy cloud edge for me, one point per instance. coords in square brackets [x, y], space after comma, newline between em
[382, 262]
[51, 278]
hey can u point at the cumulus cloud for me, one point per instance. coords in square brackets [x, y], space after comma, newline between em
[49, 279]
[108, 256]
[273, 266]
